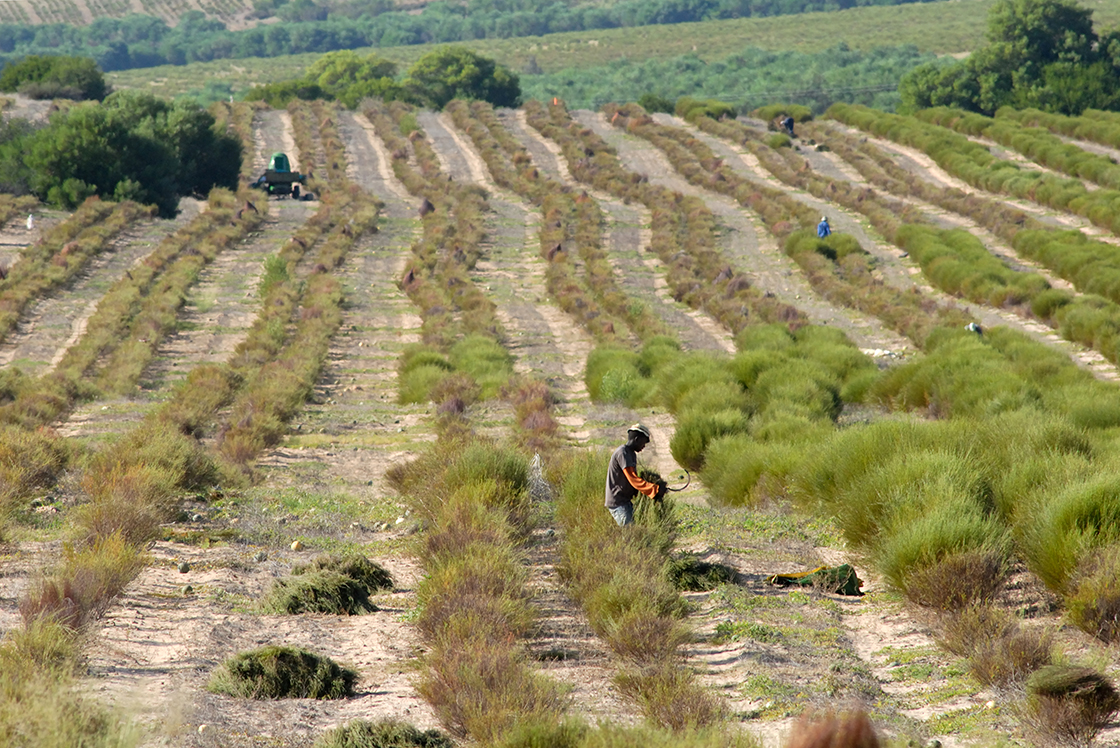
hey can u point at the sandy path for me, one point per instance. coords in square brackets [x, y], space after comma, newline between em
[155, 650]
[223, 304]
[749, 246]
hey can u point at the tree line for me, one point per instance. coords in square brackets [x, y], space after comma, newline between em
[137, 41]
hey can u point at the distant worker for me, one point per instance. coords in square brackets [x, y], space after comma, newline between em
[623, 483]
[823, 229]
[30, 221]
[787, 125]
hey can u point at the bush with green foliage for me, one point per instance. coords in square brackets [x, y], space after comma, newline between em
[276, 672]
[54, 77]
[340, 585]
[132, 146]
[388, 733]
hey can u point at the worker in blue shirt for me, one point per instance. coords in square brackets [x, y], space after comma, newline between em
[823, 229]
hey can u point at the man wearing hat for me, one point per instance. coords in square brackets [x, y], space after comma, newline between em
[623, 483]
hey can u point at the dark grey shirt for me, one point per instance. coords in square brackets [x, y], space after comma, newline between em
[619, 490]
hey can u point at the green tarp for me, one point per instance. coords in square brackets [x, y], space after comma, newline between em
[840, 579]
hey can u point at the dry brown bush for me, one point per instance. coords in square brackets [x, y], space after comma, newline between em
[957, 581]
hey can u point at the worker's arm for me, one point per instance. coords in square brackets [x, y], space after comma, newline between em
[644, 486]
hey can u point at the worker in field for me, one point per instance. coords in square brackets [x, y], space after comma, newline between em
[823, 229]
[787, 125]
[623, 483]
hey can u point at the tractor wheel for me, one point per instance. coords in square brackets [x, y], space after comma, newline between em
[295, 192]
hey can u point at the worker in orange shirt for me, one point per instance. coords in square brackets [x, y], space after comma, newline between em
[623, 483]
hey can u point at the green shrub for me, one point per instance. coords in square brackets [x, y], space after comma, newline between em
[689, 108]
[485, 360]
[276, 672]
[318, 592]
[691, 574]
[740, 471]
[1058, 532]
[388, 733]
[773, 111]
[957, 580]
[29, 461]
[778, 140]
[696, 429]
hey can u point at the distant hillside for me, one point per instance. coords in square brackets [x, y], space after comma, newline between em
[949, 27]
[284, 27]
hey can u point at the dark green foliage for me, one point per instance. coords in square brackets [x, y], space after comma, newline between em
[691, 574]
[652, 102]
[1040, 53]
[689, 108]
[54, 77]
[277, 95]
[132, 146]
[773, 111]
[318, 592]
[338, 75]
[387, 733]
[458, 73]
[372, 575]
[275, 672]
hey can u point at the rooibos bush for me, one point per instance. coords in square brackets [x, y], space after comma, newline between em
[1094, 603]
[276, 672]
[318, 592]
[388, 733]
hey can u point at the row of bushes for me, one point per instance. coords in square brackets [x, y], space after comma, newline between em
[476, 608]
[1093, 125]
[567, 222]
[1086, 319]
[974, 164]
[683, 228]
[1049, 381]
[61, 254]
[455, 312]
[1035, 143]
[837, 267]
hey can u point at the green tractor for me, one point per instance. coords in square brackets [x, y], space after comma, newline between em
[279, 179]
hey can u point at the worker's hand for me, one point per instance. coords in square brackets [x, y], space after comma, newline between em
[662, 490]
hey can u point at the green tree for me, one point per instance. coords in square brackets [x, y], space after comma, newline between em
[133, 146]
[1041, 53]
[55, 77]
[458, 73]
